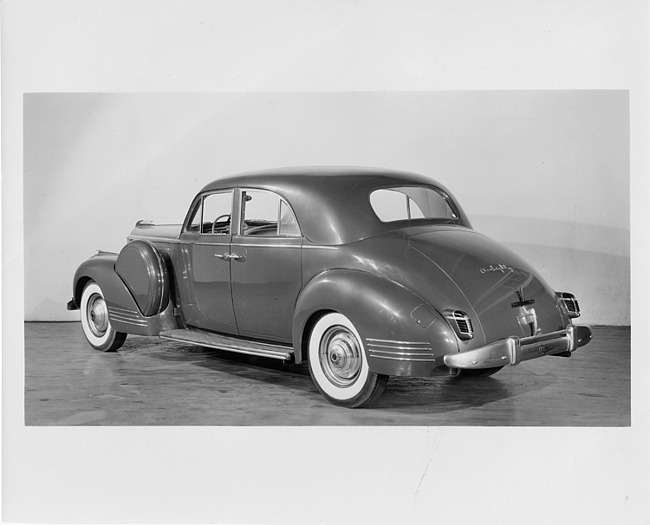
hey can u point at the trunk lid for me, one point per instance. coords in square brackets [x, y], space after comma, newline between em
[506, 295]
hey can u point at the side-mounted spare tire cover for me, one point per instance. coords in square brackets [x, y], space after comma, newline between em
[144, 272]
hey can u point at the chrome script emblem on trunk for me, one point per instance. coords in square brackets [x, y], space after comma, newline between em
[500, 268]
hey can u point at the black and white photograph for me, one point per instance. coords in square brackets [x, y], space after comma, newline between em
[282, 262]
[413, 290]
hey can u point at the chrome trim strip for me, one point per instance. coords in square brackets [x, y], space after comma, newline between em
[260, 351]
[395, 347]
[126, 320]
[424, 359]
[401, 353]
[154, 239]
[229, 343]
[125, 316]
[123, 311]
[319, 247]
[128, 315]
[206, 243]
[369, 339]
[417, 351]
[241, 245]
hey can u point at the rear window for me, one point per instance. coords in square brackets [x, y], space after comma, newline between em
[412, 202]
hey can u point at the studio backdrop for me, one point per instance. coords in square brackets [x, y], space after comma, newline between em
[544, 172]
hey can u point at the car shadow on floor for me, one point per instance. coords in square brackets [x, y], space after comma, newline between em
[438, 395]
[266, 370]
[434, 395]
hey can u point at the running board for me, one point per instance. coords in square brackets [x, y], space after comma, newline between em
[232, 344]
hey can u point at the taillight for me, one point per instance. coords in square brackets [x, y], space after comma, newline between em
[461, 323]
[569, 303]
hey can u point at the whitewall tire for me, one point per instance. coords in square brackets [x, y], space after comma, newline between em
[95, 322]
[338, 364]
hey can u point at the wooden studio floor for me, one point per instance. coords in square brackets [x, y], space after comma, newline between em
[154, 382]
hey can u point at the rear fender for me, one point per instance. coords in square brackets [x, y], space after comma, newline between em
[401, 333]
[123, 311]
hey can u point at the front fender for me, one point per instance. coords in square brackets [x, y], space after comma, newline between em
[401, 333]
[101, 269]
[123, 311]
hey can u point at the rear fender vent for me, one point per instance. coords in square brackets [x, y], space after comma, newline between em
[461, 323]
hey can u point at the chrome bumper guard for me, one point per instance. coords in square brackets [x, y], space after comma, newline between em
[514, 350]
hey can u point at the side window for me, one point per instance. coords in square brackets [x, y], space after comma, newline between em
[212, 214]
[265, 214]
[288, 223]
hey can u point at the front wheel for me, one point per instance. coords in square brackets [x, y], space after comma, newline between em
[338, 364]
[94, 320]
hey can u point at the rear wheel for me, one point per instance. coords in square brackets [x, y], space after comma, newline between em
[338, 364]
[95, 322]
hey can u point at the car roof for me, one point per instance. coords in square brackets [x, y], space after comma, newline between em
[331, 203]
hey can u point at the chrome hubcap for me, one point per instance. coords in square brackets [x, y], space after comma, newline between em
[97, 315]
[340, 356]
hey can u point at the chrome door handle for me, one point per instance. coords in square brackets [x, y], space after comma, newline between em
[230, 257]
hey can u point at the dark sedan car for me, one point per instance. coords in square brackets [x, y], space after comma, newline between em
[363, 273]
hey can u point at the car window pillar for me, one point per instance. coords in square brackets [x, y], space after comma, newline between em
[237, 212]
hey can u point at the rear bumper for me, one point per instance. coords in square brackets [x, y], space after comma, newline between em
[514, 350]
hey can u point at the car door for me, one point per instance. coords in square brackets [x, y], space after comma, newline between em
[204, 281]
[266, 267]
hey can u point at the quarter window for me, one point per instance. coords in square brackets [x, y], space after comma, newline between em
[288, 224]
